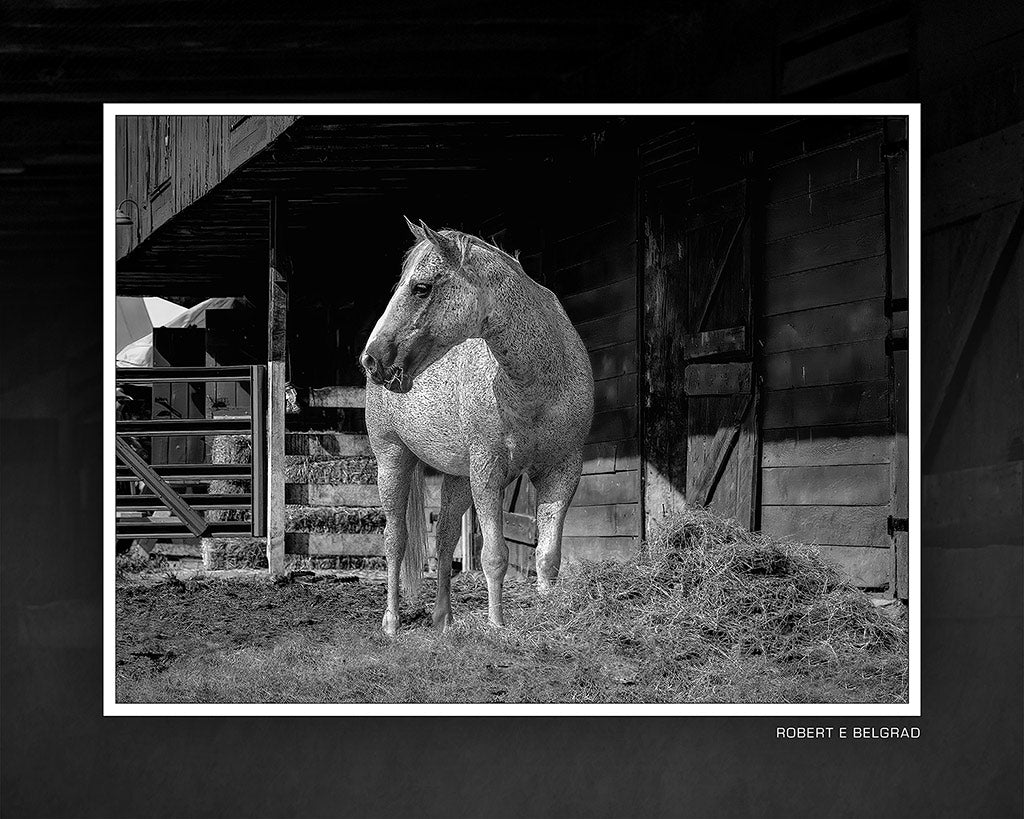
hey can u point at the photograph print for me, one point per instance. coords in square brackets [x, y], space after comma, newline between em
[512, 411]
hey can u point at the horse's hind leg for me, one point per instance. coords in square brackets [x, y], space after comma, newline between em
[455, 500]
[555, 486]
[394, 471]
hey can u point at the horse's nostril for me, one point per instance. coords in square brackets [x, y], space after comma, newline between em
[368, 362]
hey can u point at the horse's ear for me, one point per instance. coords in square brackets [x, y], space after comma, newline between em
[415, 230]
[445, 245]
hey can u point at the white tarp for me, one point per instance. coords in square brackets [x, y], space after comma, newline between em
[139, 353]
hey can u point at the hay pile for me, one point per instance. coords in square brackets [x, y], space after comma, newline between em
[703, 591]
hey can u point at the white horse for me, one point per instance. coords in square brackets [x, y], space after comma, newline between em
[476, 370]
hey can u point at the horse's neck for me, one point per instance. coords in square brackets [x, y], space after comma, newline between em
[523, 336]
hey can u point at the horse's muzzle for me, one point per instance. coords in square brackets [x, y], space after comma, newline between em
[392, 377]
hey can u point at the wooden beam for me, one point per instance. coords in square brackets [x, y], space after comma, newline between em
[258, 419]
[277, 318]
[716, 342]
[343, 397]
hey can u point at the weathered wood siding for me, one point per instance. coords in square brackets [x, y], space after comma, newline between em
[165, 163]
[973, 386]
[827, 452]
[578, 237]
[590, 262]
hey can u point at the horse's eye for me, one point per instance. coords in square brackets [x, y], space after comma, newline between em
[421, 289]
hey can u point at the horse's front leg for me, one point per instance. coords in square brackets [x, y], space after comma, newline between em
[395, 464]
[488, 477]
[555, 485]
[455, 500]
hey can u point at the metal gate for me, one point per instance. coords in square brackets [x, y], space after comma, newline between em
[163, 481]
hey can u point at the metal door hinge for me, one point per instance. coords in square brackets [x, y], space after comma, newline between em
[894, 525]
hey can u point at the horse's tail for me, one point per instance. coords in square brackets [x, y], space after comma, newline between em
[416, 535]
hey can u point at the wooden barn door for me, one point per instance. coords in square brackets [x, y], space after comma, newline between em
[720, 386]
[520, 525]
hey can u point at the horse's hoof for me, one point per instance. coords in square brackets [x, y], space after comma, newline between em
[442, 620]
[496, 622]
[390, 624]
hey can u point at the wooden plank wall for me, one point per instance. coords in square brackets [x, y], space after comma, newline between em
[171, 161]
[828, 437]
[973, 388]
[589, 261]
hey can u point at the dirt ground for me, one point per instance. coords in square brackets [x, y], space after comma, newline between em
[169, 619]
[236, 636]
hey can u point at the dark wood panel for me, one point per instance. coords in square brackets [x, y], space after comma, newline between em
[615, 393]
[611, 456]
[596, 549]
[825, 326]
[966, 180]
[842, 164]
[838, 525]
[858, 51]
[599, 490]
[710, 343]
[832, 245]
[832, 404]
[614, 361]
[823, 286]
[718, 379]
[799, 137]
[973, 507]
[612, 425]
[825, 208]
[857, 485]
[575, 276]
[608, 331]
[836, 364]
[820, 446]
[601, 301]
[864, 566]
[603, 521]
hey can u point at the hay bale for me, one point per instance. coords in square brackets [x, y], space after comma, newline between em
[334, 519]
[303, 469]
[234, 553]
[219, 552]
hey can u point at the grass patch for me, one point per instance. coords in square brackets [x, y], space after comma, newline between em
[706, 612]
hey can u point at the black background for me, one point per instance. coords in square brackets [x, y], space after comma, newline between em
[62, 758]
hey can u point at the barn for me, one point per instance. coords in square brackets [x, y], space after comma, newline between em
[741, 284]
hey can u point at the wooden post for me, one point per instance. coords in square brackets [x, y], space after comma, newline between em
[277, 317]
[467, 540]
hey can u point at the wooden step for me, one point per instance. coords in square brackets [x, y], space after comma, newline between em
[326, 544]
[327, 445]
[325, 494]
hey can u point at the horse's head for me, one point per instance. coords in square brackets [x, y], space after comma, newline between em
[438, 302]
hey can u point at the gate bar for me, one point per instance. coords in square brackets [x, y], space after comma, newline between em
[195, 522]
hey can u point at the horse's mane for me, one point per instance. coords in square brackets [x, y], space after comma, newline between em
[464, 241]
